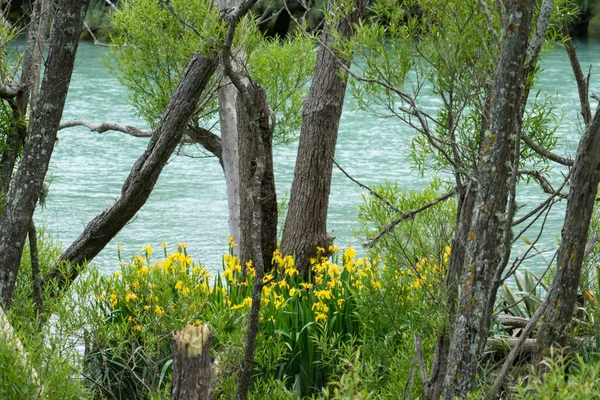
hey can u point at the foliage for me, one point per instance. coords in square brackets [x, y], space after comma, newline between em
[416, 238]
[528, 296]
[562, 377]
[310, 328]
[436, 79]
[52, 351]
[150, 48]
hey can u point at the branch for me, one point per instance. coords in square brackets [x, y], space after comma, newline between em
[111, 4]
[171, 9]
[543, 182]
[9, 91]
[94, 38]
[374, 193]
[419, 357]
[193, 134]
[533, 51]
[105, 126]
[582, 84]
[591, 243]
[234, 17]
[546, 153]
[514, 352]
[488, 21]
[409, 214]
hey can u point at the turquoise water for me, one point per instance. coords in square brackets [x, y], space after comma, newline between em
[189, 201]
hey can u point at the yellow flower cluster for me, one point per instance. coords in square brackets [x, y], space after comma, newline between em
[144, 292]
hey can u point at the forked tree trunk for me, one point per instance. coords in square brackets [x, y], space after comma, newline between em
[306, 223]
[562, 295]
[253, 122]
[239, 158]
[192, 372]
[485, 244]
[143, 175]
[29, 178]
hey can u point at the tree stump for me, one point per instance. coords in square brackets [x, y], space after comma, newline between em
[192, 371]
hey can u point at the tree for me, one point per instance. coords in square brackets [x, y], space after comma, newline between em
[27, 183]
[150, 79]
[481, 82]
[306, 223]
[168, 134]
[585, 175]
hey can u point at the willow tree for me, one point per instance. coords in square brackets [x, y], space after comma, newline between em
[476, 61]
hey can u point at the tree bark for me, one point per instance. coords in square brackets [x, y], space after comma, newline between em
[192, 373]
[36, 279]
[254, 123]
[433, 387]
[306, 224]
[239, 120]
[143, 175]
[562, 295]
[485, 245]
[29, 87]
[29, 178]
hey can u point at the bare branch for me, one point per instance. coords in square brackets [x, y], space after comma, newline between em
[419, 357]
[543, 182]
[192, 134]
[546, 153]
[9, 90]
[105, 126]
[171, 9]
[514, 352]
[94, 38]
[591, 243]
[582, 83]
[535, 45]
[544, 203]
[409, 214]
[488, 21]
[374, 193]
[111, 4]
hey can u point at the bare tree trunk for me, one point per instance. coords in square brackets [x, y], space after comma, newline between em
[192, 372]
[29, 178]
[254, 124]
[486, 245]
[306, 223]
[143, 175]
[239, 149]
[562, 295]
[258, 102]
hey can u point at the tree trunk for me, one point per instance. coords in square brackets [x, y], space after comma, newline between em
[29, 85]
[562, 295]
[485, 245]
[192, 373]
[143, 175]
[253, 122]
[306, 223]
[433, 387]
[256, 104]
[240, 152]
[29, 178]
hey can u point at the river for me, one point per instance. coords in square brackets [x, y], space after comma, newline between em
[189, 201]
